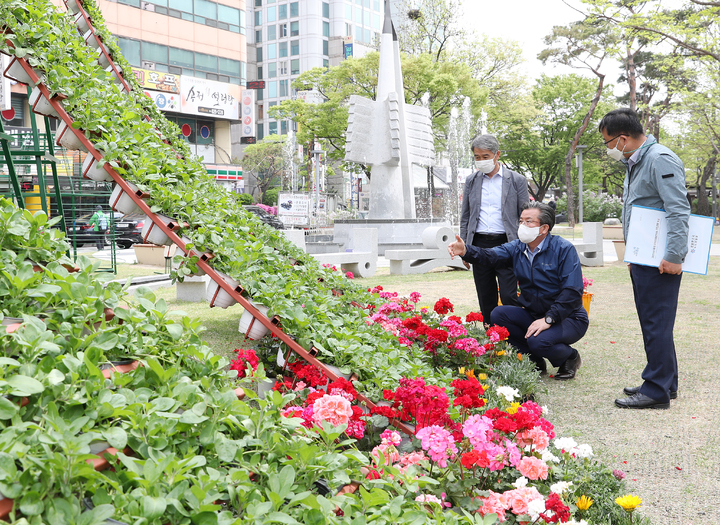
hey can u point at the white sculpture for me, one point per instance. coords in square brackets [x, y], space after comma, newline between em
[389, 135]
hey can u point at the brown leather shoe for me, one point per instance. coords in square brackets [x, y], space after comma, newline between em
[568, 369]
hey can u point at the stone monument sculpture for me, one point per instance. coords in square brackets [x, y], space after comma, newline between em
[389, 135]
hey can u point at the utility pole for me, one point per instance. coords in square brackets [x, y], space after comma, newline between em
[318, 153]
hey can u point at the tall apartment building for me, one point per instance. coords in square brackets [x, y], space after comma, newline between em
[288, 37]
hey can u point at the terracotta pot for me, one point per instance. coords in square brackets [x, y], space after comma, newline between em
[217, 296]
[16, 72]
[91, 170]
[122, 202]
[41, 105]
[122, 367]
[66, 137]
[250, 326]
[6, 506]
[152, 234]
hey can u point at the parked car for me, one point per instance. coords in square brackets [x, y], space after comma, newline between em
[128, 230]
[267, 218]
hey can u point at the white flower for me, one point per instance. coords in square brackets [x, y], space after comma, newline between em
[520, 482]
[536, 507]
[566, 444]
[548, 456]
[560, 486]
[573, 522]
[508, 393]
[545, 410]
[583, 451]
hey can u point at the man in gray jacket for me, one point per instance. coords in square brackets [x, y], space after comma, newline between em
[655, 178]
[491, 208]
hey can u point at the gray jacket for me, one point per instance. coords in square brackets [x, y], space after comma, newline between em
[514, 195]
[657, 180]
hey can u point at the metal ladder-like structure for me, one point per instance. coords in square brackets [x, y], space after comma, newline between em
[168, 227]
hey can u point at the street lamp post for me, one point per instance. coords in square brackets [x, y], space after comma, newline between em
[318, 155]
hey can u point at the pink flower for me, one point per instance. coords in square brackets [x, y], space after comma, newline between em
[299, 386]
[470, 345]
[477, 428]
[454, 329]
[415, 297]
[429, 498]
[438, 442]
[536, 438]
[389, 453]
[533, 468]
[349, 275]
[495, 504]
[336, 410]
[390, 437]
[518, 499]
[413, 458]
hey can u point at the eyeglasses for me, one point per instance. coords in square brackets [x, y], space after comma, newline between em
[530, 223]
[607, 141]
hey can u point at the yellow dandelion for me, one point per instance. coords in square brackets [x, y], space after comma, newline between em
[629, 503]
[482, 377]
[584, 503]
[514, 407]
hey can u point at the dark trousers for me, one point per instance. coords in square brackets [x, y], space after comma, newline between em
[552, 344]
[488, 280]
[656, 300]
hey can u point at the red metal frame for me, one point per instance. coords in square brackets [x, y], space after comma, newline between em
[204, 258]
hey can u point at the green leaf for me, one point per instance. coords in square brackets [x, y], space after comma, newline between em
[192, 418]
[280, 517]
[31, 504]
[175, 330]
[7, 408]
[55, 377]
[24, 385]
[153, 508]
[116, 436]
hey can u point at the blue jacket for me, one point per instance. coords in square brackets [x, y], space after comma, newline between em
[552, 285]
[657, 180]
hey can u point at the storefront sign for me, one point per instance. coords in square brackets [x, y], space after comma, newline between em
[165, 101]
[204, 97]
[158, 80]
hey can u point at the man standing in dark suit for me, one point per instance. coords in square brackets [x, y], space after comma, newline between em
[491, 208]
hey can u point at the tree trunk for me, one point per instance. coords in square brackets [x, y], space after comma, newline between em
[573, 146]
[703, 204]
[631, 73]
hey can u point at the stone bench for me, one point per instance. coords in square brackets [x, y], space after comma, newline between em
[362, 260]
[590, 249]
[434, 254]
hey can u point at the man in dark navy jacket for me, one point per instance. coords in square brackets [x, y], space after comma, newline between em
[551, 316]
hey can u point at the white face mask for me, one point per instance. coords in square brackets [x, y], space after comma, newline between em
[615, 153]
[527, 234]
[485, 166]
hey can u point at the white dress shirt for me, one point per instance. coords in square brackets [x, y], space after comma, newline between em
[490, 219]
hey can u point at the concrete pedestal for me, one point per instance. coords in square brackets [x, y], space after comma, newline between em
[192, 289]
[392, 233]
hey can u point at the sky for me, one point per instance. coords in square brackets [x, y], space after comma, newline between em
[525, 21]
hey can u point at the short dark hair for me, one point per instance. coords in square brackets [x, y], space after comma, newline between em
[547, 214]
[622, 121]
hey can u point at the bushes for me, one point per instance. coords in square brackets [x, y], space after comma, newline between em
[244, 199]
[271, 197]
[596, 206]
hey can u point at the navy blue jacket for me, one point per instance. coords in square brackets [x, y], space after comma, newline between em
[552, 286]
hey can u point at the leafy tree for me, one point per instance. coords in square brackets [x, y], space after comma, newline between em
[583, 45]
[429, 26]
[244, 198]
[270, 198]
[265, 162]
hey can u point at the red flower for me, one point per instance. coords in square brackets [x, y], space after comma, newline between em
[455, 318]
[413, 323]
[469, 459]
[243, 359]
[468, 392]
[438, 335]
[497, 333]
[473, 316]
[561, 511]
[372, 474]
[343, 384]
[444, 306]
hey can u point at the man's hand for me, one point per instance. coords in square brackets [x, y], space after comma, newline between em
[538, 326]
[671, 268]
[457, 247]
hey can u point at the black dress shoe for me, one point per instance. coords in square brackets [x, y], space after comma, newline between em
[568, 369]
[631, 390]
[639, 401]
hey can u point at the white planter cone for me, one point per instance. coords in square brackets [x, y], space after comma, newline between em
[16, 72]
[115, 77]
[217, 296]
[72, 6]
[337, 371]
[91, 39]
[122, 202]
[65, 137]
[256, 329]
[199, 272]
[152, 234]
[91, 170]
[41, 105]
[264, 387]
[103, 59]
[81, 23]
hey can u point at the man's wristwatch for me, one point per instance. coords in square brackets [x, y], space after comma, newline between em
[549, 320]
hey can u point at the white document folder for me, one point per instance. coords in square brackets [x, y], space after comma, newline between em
[647, 239]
